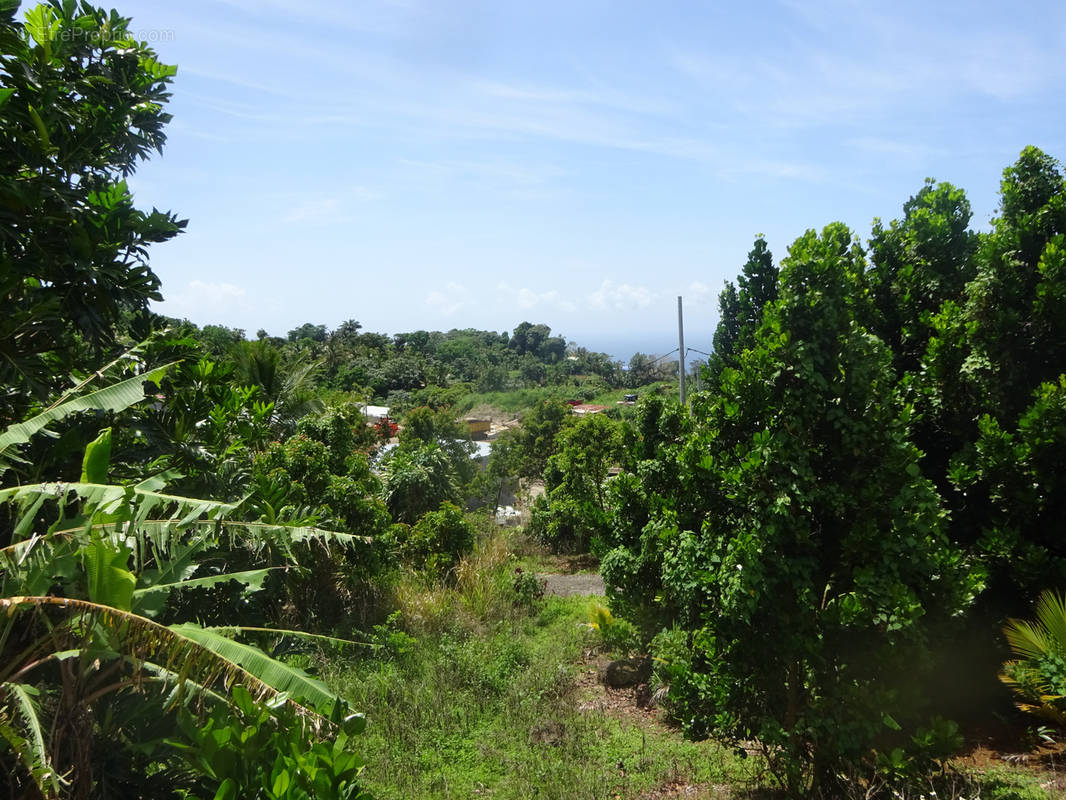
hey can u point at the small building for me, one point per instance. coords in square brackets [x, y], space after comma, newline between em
[508, 515]
[374, 414]
[479, 428]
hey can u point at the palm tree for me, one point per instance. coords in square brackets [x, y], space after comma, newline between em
[1038, 676]
[259, 364]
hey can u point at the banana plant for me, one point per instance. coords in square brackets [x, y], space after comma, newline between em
[88, 569]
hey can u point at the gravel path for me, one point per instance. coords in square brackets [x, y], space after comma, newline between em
[587, 583]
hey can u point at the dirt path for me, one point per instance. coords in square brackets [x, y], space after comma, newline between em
[586, 583]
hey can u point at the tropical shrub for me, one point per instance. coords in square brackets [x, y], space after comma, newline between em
[438, 540]
[295, 479]
[528, 588]
[616, 635]
[259, 750]
[418, 480]
[89, 577]
[1038, 674]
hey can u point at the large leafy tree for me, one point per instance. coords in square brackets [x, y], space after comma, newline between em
[991, 393]
[805, 555]
[82, 106]
[572, 514]
[917, 264]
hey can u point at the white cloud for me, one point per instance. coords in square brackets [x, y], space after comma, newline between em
[199, 297]
[699, 293]
[622, 296]
[449, 299]
[528, 299]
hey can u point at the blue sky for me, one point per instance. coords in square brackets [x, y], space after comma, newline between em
[415, 164]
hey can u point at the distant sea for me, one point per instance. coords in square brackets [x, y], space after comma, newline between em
[622, 346]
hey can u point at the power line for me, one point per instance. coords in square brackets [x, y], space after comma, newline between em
[662, 358]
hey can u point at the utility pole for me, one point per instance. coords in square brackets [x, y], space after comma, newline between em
[681, 348]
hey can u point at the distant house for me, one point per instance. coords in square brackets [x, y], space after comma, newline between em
[374, 414]
[479, 428]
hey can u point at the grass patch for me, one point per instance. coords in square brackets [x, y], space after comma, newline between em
[513, 401]
[461, 714]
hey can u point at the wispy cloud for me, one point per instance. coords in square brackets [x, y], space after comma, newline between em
[449, 299]
[700, 293]
[529, 299]
[526, 173]
[848, 61]
[369, 16]
[199, 298]
[622, 296]
[314, 207]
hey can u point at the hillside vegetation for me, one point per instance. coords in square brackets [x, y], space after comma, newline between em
[219, 579]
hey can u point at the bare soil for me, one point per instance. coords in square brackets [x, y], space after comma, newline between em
[588, 583]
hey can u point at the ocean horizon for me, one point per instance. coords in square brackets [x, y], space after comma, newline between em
[622, 347]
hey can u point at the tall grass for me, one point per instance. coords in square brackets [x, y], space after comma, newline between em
[502, 714]
[476, 693]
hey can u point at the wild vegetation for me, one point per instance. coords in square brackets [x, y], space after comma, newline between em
[214, 571]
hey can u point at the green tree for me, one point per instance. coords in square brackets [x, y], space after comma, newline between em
[740, 312]
[727, 331]
[917, 264]
[653, 478]
[288, 387]
[418, 480]
[218, 340]
[310, 332]
[811, 559]
[641, 371]
[82, 105]
[989, 398]
[573, 512]
[536, 441]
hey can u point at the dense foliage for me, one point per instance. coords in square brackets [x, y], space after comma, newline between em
[81, 105]
[218, 495]
[870, 484]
